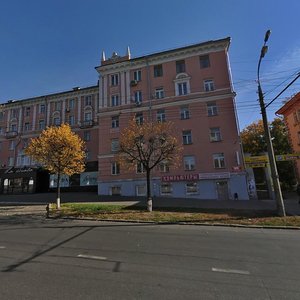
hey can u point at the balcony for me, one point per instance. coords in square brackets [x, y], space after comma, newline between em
[11, 134]
[87, 124]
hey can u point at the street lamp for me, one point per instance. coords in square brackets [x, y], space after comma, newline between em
[274, 172]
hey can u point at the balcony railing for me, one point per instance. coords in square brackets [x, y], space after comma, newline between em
[11, 134]
[87, 124]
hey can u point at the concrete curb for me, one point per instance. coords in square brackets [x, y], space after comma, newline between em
[179, 223]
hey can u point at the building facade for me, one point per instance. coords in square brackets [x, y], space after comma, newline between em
[291, 113]
[25, 119]
[190, 86]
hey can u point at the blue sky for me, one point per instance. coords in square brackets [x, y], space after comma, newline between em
[52, 46]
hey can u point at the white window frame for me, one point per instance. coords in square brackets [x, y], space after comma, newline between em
[140, 169]
[115, 168]
[184, 113]
[115, 145]
[56, 121]
[115, 100]
[138, 97]
[58, 105]
[209, 85]
[42, 108]
[141, 190]
[139, 118]
[27, 126]
[72, 120]
[117, 188]
[215, 134]
[204, 61]
[42, 124]
[191, 188]
[12, 145]
[189, 163]
[88, 100]
[71, 103]
[219, 160]
[159, 93]
[212, 109]
[137, 75]
[115, 122]
[166, 188]
[187, 137]
[161, 115]
[114, 79]
[88, 116]
[87, 135]
[182, 88]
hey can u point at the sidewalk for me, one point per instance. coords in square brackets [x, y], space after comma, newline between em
[291, 201]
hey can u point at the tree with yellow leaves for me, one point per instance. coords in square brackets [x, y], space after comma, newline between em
[58, 150]
[147, 145]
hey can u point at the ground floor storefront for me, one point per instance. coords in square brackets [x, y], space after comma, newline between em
[206, 186]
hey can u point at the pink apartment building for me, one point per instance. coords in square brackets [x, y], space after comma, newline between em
[25, 119]
[190, 86]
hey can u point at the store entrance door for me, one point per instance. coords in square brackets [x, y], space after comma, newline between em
[222, 189]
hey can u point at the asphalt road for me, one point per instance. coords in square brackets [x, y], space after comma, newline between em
[64, 259]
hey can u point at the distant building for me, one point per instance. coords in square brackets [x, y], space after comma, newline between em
[24, 119]
[190, 86]
[291, 113]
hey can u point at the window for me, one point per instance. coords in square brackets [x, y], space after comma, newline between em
[88, 116]
[10, 161]
[212, 109]
[159, 93]
[189, 163]
[163, 167]
[56, 121]
[182, 88]
[166, 188]
[14, 113]
[158, 71]
[115, 122]
[215, 134]
[138, 96]
[13, 127]
[87, 154]
[115, 100]
[25, 143]
[1, 130]
[140, 168]
[42, 108]
[115, 191]
[57, 105]
[161, 115]
[187, 137]
[87, 135]
[141, 190]
[72, 120]
[219, 160]
[137, 75]
[114, 79]
[208, 85]
[191, 188]
[12, 145]
[184, 113]
[295, 118]
[88, 100]
[41, 124]
[115, 145]
[115, 168]
[139, 118]
[27, 112]
[1, 115]
[26, 126]
[204, 61]
[71, 103]
[180, 66]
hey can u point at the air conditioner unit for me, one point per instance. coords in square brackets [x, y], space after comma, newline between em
[133, 82]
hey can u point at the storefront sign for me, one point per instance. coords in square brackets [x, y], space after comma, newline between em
[88, 178]
[220, 175]
[184, 177]
[18, 170]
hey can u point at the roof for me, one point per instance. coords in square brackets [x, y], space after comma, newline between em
[295, 99]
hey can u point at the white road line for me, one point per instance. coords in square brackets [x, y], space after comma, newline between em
[231, 271]
[2, 247]
[92, 257]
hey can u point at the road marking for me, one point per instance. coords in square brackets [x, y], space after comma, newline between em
[231, 271]
[92, 257]
[2, 247]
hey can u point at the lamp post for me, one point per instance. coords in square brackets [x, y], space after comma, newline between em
[274, 172]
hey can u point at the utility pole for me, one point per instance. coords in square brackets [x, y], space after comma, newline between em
[274, 172]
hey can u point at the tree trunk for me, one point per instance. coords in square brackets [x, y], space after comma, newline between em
[58, 192]
[149, 199]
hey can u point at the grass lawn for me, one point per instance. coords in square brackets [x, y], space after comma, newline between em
[118, 212]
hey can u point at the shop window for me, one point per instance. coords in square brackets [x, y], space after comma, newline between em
[166, 188]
